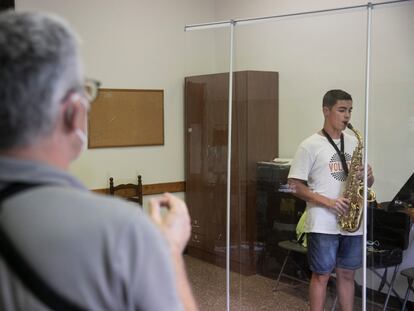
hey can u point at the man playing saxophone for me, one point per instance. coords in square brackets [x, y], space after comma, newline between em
[319, 175]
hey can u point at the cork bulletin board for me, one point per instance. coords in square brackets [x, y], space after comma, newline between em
[125, 117]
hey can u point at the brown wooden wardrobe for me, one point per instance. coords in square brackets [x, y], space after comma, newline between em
[254, 139]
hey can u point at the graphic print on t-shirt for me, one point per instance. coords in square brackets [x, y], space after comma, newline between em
[335, 166]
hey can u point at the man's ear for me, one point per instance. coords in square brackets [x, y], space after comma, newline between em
[325, 110]
[71, 110]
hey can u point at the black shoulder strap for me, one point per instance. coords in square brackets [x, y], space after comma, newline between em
[22, 269]
[340, 153]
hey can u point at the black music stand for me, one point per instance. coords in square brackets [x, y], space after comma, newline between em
[390, 231]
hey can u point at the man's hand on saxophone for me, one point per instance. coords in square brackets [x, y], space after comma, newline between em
[340, 206]
[370, 175]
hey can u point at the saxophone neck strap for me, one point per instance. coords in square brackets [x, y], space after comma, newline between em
[340, 153]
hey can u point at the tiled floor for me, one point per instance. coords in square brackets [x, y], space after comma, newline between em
[249, 292]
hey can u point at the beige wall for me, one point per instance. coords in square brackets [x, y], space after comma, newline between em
[314, 54]
[136, 44]
[141, 44]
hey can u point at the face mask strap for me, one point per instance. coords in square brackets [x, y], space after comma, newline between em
[83, 138]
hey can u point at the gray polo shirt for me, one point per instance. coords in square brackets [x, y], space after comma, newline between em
[100, 252]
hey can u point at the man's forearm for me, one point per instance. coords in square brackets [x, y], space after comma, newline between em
[303, 192]
[316, 199]
[183, 284]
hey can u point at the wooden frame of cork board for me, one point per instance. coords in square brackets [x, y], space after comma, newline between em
[126, 117]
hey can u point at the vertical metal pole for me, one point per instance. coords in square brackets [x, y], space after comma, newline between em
[229, 130]
[367, 93]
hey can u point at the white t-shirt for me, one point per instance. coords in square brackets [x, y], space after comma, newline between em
[317, 162]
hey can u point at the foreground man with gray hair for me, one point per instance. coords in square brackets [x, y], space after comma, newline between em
[63, 247]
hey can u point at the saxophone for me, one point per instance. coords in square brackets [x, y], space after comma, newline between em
[354, 189]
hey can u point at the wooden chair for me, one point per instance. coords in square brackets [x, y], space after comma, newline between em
[131, 192]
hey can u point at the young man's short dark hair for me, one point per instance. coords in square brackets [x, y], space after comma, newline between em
[332, 96]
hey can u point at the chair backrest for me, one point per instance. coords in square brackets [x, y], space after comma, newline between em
[131, 192]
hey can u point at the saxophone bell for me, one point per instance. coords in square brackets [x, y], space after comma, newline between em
[371, 195]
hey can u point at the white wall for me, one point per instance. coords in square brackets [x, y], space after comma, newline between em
[141, 44]
[316, 53]
[136, 44]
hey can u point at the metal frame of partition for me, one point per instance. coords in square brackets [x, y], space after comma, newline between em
[238, 22]
[367, 98]
[244, 21]
[229, 135]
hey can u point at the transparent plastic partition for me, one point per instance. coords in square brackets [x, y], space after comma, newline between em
[390, 153]
[206, 91]
[283, 68]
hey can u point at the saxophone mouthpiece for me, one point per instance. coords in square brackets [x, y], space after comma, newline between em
[349, 125]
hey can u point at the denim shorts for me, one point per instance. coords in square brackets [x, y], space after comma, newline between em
[329, 251]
